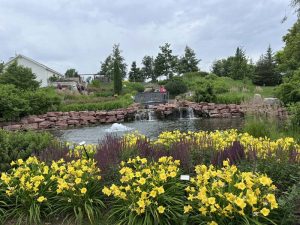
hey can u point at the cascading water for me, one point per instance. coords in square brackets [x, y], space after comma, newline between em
[151, 115]
[191, 114]
[180, 113]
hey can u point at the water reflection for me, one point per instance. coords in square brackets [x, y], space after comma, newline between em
[150, 128]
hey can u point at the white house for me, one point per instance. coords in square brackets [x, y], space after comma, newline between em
[41, 71]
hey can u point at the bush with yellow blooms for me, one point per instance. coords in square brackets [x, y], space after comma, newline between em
[148, 192]
[227, 195]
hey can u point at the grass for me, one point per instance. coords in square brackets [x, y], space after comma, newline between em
[226, 89]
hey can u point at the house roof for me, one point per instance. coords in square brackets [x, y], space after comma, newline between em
[33, 61]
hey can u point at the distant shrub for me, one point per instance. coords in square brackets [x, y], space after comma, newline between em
[176, 86]
[163, 82]
[134, 86]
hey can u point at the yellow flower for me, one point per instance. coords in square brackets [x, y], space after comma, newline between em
[106, 191]
[160, 190]
[153, 193]
[41, 199]
[265, 181]
[212, 223]
[161, 209]
[240, 186]
[142, 181]
[83, 190]
[240, 203]
[77, 180]
[187, 208]
[265, 211]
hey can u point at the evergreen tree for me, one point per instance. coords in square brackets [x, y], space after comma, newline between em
[117, 78]
[21, 77]
[107, 68]
[1, 67]
[148, 68]
[135, 74]
[265, 72]
[71, 73]
[116, 57]
[239, 68]
[165, 63]
[188, 62]
[222, 67]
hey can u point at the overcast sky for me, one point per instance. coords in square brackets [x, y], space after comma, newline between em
[79, 34]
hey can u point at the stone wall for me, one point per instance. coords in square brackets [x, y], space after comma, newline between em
[62, 120]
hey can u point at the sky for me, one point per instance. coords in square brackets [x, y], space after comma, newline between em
[80, 34]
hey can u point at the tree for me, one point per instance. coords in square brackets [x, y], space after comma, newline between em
[21, 77]
[71, 73]
[117, 78]
[222, 67]
[1, 67]
[239, 67]
[148, 68]
[117, 58]
[188, 62]
[107, 68]
[165, 63]
[135, 74]
[266, 71]
[289, 58]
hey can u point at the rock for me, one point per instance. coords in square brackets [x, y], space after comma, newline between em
[51, 114]
[111, 119]
[52, 119]
[12, 127]
[30, 126]
[61, 124]
[72, 122]
[45, 125]
[257, 99]
[34, 119]
[272, 102]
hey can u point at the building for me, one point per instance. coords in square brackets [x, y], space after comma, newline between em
[41, 71]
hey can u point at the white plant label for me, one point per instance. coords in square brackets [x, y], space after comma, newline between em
[184, 177]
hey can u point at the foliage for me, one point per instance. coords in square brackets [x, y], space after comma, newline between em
[205, 93]
[117, 103]
[71, 73]
[188, 62]
[107, 67]
[1, 67]
[20, 76]
[175, 86]
[135, 74]
[266, 70]
[231, 98]
[117, 79]
[17, 103]
[165, 64]
[289, 58]
[13, 104]
[226, 195]
[20, 145]
[147, 69]
[289, 90]
[149, 193]
[69, 190]
[131, 87]
[237, 67]
[295, 116]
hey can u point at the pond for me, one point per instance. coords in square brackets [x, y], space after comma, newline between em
[149, 128]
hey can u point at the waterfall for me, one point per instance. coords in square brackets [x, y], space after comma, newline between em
[180, 113]
[151, 115]
[191, 114]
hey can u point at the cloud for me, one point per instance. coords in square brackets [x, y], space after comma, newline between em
[80, 33]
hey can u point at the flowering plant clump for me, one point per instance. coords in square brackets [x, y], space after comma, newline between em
[26, 189]
[34, 190]
[83, 151]
[77, 189]
[219, 196]
[149, 192]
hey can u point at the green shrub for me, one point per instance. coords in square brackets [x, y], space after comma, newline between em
[176, 86]
[133, 87]
[205, 94]
[13, 105]
[20, 145]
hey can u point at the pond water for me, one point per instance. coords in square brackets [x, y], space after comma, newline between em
[149, 128]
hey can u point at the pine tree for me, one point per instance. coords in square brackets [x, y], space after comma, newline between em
[107, 68]
[1, 67]
[135, 74]
[165, 63]
[266, 72]
[189, 62]
[239, 67]
[117, 78]
[148, 68]
[116, 57]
